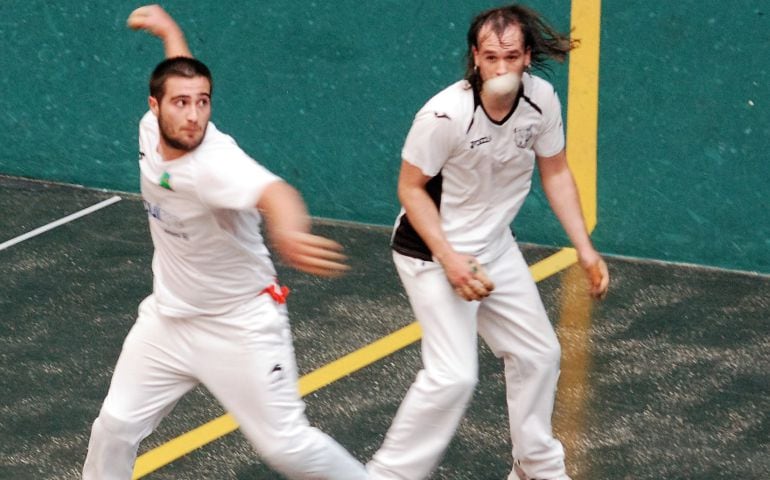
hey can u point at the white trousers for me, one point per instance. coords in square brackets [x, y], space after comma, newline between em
[513, 322]
[245, 360]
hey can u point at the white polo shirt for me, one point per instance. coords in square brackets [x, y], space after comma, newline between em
[481, 169]
[209, 253]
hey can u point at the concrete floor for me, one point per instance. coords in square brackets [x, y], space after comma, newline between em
[667, 378]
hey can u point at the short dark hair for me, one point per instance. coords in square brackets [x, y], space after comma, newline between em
[177, 67]
[542, 40]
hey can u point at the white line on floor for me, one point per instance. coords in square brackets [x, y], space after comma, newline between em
[59, 222]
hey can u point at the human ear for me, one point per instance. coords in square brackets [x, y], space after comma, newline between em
[153, 103]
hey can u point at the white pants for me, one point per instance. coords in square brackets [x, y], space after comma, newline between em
[245, 360]
[513, 322]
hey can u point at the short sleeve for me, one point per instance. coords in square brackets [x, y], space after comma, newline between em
[148, 133]
[430, 141]
[227, 178]
[550, 141]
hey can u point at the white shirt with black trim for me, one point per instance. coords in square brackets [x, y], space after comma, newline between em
[209, 254]
[481, 169]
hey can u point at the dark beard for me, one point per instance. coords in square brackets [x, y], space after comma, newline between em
[179, 144]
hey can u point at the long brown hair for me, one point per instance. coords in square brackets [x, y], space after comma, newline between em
[542, 40]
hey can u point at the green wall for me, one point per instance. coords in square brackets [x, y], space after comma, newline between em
[323, 94]
[684, 131]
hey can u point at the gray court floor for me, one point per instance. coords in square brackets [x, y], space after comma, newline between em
[668, 378]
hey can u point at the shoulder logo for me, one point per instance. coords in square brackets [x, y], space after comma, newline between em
[164, 181]
[141, 155]
[441, 115]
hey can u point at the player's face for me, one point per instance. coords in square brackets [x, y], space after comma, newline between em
[498, 55]
[184, 112]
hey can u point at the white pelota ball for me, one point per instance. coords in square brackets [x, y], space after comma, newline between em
[503, 85]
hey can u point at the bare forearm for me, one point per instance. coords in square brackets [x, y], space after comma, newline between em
[283, 209]
[175, 44]
[288, 225]
[563, 196]
[463, 271]
[562, 193]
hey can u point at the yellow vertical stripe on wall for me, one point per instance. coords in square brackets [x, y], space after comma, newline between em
[583, 104]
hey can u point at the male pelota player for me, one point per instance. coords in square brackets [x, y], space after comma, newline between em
[216, 315]
[467, 166]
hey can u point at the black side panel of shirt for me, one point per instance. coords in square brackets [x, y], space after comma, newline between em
[406, 240]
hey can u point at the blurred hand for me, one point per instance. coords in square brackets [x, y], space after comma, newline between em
[153, 19]
[311, 253]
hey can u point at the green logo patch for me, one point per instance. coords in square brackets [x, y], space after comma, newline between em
[164, 179]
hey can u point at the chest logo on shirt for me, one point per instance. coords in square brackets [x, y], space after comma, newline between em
[172, 225]
[480, 141]
[164, 181]
[522, 136]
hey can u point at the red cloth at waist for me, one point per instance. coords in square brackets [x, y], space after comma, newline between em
[278, 292]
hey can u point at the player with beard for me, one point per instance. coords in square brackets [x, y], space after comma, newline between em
[217, 315]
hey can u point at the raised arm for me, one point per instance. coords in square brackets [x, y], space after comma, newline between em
[562, 193]
[288, 227]
[156, 21]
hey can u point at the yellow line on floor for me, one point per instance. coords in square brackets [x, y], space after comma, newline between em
[553, 264]
[219, 427]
